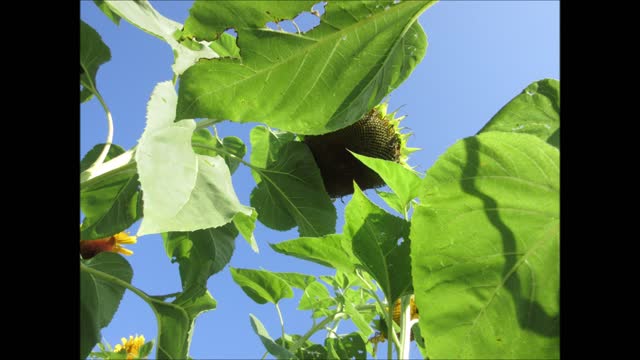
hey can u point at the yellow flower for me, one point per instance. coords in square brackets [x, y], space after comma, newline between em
[131, 346]
[91, 248]
[382, 335]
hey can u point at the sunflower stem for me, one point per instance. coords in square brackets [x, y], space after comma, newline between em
[405, 326]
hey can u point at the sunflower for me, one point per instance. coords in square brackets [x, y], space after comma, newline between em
[131, 346]
[91, 248]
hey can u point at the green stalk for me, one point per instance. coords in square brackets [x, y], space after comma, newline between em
[281, 322]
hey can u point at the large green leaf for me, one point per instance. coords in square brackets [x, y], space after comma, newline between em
[296, 280]
[182, 191]
[265, 146]
[272, 347]
[485, 249]
[535, 111]
[99, 299]
[404, 182]
[93, 53]
[310, 83]
[261, 286]
[109, 206]
[332, 250]
[290, 192]
[200, 254]
[375, 236]
[141, 14]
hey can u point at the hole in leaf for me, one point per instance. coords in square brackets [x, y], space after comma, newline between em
[400, 241]
[232, 32]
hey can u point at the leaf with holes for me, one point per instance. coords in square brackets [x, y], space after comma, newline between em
[485, 247]
[535, 111]
[309, 83]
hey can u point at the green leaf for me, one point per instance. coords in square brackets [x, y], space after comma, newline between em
[182, 191]
[296, 280]
[200, 254]
[85, 95]
[316, 296]
[311, 83]
[485, 250]
[346, 347]
[332, 250]
[274, 349]
[291, 193]
[174, 326]
[226, 46]
[261, 286]
[246, 225]
[265, 146]
[141, 14]
[93, 53]
[417, 335]
[404, 182]
[99, 299]
[375, 235]
[361, 321]
[107, 11]
[392, 200]
[230, 144]
[110, 206]
[535, 111]
[308, 350]
[145, 350]
[92, 155]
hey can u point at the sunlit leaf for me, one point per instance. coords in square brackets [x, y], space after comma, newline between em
[485, 250]
[332, 250]
[274, 349]
[315, 296]
[346, 347]
[296, 280]
[246, 225]
[535, 111]
[261, 286]
[230, 148]
[311, 83]
[182, 191]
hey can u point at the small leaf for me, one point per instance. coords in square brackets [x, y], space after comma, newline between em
[316, 296]
[261, 286]
[311, 83]
[229, 144]
[291, 193]
[110, 14]
[226, 46]
[485, 247]
[404, 182]
[392, 200]
[332, 250]
[182, 191]
[296, 280]
[535, 111]
[375, 235]
[246, 225]
[347, 347]
[265, 147]
[93, 53]
[274, 349]
[200, 254]
[99, 299]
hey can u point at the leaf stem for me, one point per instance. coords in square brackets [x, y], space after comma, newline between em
[281, 321]
[107, 146]
[315, 329]
[122, 163]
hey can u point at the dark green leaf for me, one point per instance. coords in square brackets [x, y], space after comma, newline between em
[332, 250]
[274, 349]
[308, 350]
[346, 347]
[404, 182]
[182, 191]
[93, 53]
[310, 83]
[535, 111]
[417, 334]
[99, 299]
[85, 95]
[174, 326]
[107, 11]
[92, 155]
[200, 254]
[261, 286]
[145, 350]
[291, 193]
[375, 238]
[485, 250]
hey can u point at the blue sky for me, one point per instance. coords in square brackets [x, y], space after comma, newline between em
[480, 55]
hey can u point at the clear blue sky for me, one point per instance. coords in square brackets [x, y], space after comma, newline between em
[480, 55]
